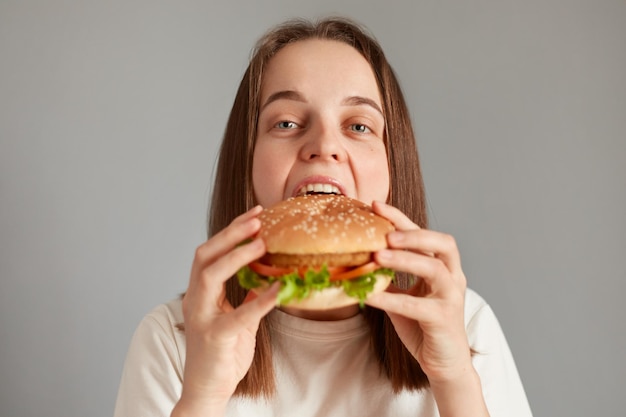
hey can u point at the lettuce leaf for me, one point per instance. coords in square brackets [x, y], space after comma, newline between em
[363, 285]
[294, 287]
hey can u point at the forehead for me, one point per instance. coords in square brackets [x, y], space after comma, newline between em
[320, 66]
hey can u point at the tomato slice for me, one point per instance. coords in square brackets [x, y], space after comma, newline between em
[355, 272]
[269, 271]
[332, 270]
[337, 273]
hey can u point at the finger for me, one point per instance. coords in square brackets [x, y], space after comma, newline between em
[240, 229]
[251, 312]
[439, 245]
[206, 293]
[215, 275]
[431, 270]
[394, 215]
[416, 290]
[253, 212]
[417, 308]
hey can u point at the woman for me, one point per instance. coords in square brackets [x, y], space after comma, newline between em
[319, 104]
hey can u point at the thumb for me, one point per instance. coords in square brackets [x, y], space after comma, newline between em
[255, 306]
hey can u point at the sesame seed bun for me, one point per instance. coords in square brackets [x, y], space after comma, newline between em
[327, 225]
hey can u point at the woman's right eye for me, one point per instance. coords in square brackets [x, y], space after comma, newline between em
[286, 124]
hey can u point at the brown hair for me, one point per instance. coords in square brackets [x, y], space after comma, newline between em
[233, 193]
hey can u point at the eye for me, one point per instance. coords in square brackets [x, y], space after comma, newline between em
[360, 128]
[286, 124]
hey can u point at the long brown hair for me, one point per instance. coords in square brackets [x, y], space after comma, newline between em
[233, 193]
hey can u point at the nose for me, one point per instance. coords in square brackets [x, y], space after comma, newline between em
[323, 144]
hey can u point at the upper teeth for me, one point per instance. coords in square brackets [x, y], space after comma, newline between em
[319, 188]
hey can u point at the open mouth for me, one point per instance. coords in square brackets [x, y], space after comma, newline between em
[313, 189]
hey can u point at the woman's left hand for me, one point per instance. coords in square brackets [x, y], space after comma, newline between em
[428, 317]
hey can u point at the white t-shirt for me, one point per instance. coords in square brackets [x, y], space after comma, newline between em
[322, 369]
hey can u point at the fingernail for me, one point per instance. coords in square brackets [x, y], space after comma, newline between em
[254, 223]
[257, 243]
[383, 255]
[395, 237]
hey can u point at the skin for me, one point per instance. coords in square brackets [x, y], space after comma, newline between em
[320, 123]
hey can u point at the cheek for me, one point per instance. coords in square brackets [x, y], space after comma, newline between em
[268, 177]
[374, 175]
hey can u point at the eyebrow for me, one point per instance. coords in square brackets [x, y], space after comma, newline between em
[359, 101]
[295, 96]
[283, 95]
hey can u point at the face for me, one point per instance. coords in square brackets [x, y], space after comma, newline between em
[321, 127]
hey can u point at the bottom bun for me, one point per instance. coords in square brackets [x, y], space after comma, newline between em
[330, 298]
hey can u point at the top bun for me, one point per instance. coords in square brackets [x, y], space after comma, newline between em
[323, 224]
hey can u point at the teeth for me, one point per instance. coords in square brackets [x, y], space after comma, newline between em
[319, 188]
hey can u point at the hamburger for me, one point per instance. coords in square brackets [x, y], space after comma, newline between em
[319, 247]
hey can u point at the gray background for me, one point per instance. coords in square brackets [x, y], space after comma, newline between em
[111, 114]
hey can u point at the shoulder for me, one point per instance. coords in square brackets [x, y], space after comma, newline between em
[474, 304]
[167, 315]
[152, 376]
[483, 328]
[159, 329]
[480, 320]
[493, 359]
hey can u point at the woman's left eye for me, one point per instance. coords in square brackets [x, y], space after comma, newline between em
[360, 128]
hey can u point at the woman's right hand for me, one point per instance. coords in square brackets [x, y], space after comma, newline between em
[220, 339]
